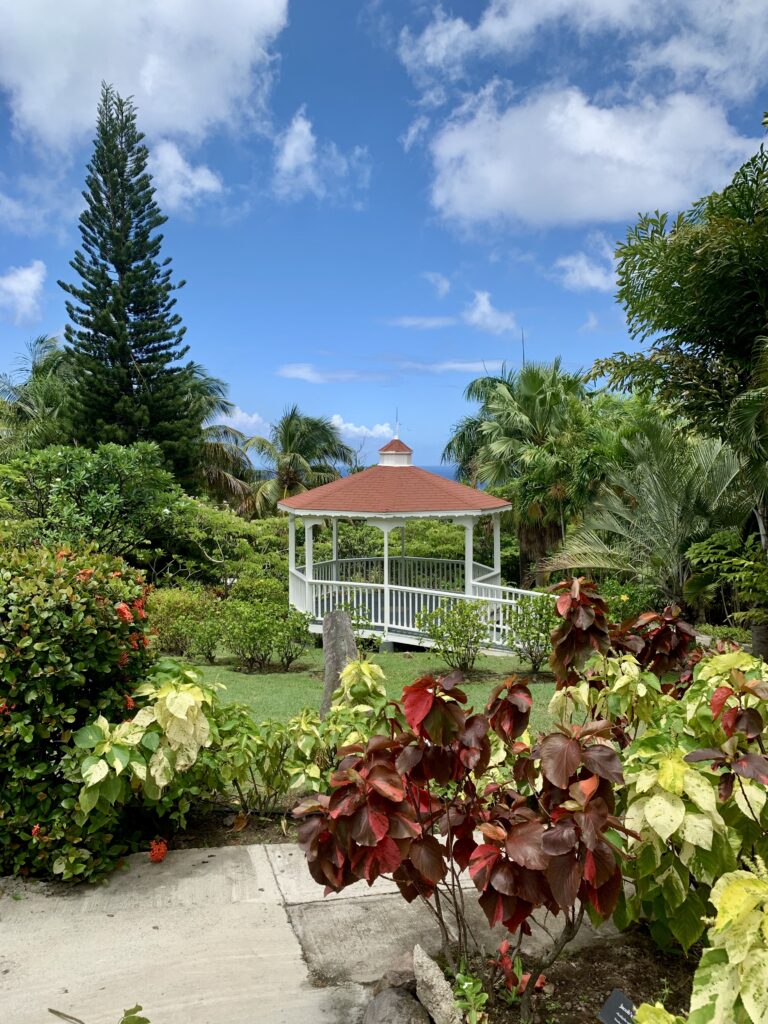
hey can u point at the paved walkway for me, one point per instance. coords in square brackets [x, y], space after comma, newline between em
[236, 935]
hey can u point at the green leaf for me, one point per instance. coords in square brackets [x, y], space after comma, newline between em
[94, 773]
[664, 813]
[687, 922]
[118, 758]
[87, 737]
[697, 830]
[89, 797]
[150, 740]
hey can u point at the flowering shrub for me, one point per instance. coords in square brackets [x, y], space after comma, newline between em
[73, 642]
[260, 633]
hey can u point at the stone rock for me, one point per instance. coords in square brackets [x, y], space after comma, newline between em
[395, 1006]
[399, 975]
[434, 992]
[339, 648]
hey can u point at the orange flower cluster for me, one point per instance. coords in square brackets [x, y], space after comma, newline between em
[158, 850]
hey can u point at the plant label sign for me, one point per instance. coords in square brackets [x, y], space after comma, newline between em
[618, 1009]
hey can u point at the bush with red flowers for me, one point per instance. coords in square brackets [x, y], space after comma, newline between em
[72, 646]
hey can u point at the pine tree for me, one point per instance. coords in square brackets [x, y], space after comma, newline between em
[125, 339]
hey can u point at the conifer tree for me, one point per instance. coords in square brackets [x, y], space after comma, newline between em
[125, 338]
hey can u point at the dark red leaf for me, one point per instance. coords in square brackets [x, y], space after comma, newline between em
[345, 801]
[408, 758]
[481, 864]
[752, 766]
[563, 605]
[705, 754]
[428, 857]
[386, 780]
[603, 760]
[729, 720]
[561, 839]
[523, 845]
[564, 877]
[718, 699]
[725, 787]
[417, 703]
[369, 826]
[560, 757]
[452, 679]
[749, 722]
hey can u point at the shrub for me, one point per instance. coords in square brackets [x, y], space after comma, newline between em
[458, 632]
[629, 598]
[416, 806]
[73, 644]
[252, 585]
[249, 632]
[292, 637]
[531, 622]
[737, 634]
[205, 633]
[173, 612]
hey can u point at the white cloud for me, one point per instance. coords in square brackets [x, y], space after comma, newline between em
[590, 324]
[178, 183]
[309, 373]
[353, 430]
[455, 366]
[439, 282]
[303, 167]
[721, 46]
[189, 68]
[423, 323]
[414, 132]
[557, 157]
[481, 314]
[247, 422]
[592, 270]
[21, 289]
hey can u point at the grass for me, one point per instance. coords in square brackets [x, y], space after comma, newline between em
[283, 694]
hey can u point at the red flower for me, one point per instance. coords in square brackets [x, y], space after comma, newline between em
[115, 575]
[64, 553]
[124, 612]
[35, 831]
[158, 849]
[85, 574]
[133, 640]
[123, 660]
[145, 640]
[130, 703]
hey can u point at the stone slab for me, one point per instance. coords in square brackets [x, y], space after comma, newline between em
[298, 886]
[360, 940]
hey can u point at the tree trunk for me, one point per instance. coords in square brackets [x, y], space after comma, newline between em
[535, 542]
[760, 640]
[339, 648]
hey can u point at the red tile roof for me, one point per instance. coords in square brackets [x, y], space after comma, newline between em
[396, 445]
[393, 489]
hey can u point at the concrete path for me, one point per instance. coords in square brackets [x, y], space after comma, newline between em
[236, 935]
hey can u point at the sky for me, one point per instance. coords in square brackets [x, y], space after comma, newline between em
[372, 200]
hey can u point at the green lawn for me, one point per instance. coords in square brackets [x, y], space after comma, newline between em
[283, 694]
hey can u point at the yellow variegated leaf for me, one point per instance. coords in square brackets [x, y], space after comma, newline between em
[160, 767]
[656, 1014]
[634, 819]
[644, 780]
[697, 830]
[664, 812]
[754, 986]
[94, 773]
[672, 771]
[702, 792]
[750, 800]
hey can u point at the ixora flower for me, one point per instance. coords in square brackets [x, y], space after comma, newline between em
[158, 850]
[123, 660]
[35, 831]
[124, 612]
[85, 574]
[130, 703]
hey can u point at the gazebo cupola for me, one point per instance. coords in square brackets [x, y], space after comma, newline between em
[395, 453]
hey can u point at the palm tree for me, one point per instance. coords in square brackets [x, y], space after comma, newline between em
[32, 399]
[300, 452]
[521, 438]
[667, 491]
[225, 471]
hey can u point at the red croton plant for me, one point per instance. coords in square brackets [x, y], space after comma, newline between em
[422, 806]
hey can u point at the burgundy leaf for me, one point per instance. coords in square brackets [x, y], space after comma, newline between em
[369, 826]
[752, 766]
[725, 786]
[524, 845]
[386, 780]
[417, 703]
[564, 877]
[408, 758]
[749, 722]
[560, 757]
[561, 839]
[603, 760]
[482, 863]
[718, 700]
[428, 857]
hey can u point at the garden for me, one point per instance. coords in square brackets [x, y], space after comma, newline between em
[159, 691]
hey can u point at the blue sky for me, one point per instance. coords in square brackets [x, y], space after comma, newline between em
[370, 200]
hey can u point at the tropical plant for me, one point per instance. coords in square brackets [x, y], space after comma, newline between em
[73, 646]
[412, 805]
[539, 434]
[31, 400]
[668, 491]
[530, 625]
[300, 452]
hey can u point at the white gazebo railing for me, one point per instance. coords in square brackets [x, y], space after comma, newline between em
[415, 585]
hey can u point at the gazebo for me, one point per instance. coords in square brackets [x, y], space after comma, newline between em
[390, 592]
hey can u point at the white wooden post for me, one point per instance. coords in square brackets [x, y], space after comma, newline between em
[386, 582]
[309, 553]
[469, 548]
[292, 543]
[497, 547]
[335, 545]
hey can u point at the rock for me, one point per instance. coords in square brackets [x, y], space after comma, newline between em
[434, 992]
[339, 648]
[399, 975]
[395, 1006]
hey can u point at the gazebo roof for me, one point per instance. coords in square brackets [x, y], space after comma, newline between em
[394, 489]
